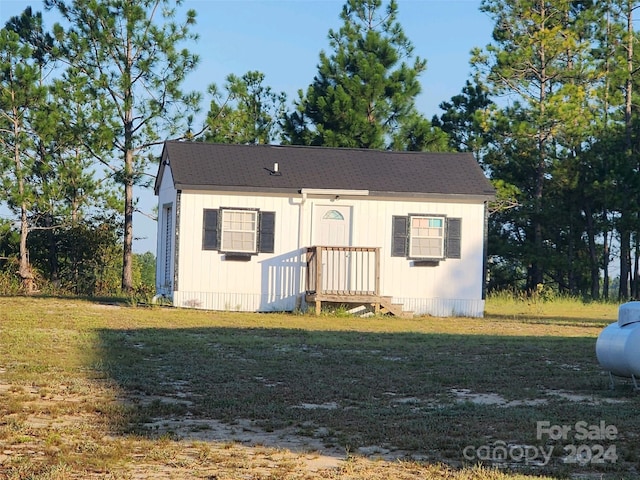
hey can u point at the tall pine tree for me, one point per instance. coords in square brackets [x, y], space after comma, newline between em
[247, 114]
[365, 88]
[538, 60]
[135, 68]
[23, 123]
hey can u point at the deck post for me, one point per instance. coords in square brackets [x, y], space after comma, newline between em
[377, 272]
[318, 272]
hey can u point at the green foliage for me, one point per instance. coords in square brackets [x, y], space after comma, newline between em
[9, 239]
[365, 88]
[463, 117]
[417, 134]
[247, 114]
[135, 91]
[23, 127]
[146, 264]
[84, 259]
[9, 279]
[555, 148]
[50, 178]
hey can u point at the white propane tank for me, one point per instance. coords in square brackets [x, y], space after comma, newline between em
[628, 313]
[618, 349]
[618, 345]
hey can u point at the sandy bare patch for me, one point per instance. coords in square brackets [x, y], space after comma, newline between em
[318, 406]
[466, 395]
[590, 399]
[246, 433]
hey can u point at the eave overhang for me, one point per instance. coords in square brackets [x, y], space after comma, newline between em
[475, 198]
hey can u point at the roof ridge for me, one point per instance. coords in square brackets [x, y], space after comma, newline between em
[314, 147]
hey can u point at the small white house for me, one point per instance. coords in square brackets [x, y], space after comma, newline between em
[277, 228]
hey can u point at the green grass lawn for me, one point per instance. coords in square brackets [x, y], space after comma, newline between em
[96, 390]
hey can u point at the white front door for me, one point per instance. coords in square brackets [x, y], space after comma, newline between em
[332, 228]
[332, 225]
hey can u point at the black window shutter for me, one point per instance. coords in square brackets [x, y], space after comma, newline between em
[399, 236]
[454, 236]
[210, 239]
[266, 235]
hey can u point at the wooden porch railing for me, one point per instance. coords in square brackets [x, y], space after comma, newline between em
[343, 271]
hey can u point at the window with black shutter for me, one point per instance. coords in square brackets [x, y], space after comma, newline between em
[426, 237]
[238, 232]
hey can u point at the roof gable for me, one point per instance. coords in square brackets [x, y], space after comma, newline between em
[207, 166]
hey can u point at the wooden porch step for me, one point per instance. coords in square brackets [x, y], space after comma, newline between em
[382, 304]
[386, 306]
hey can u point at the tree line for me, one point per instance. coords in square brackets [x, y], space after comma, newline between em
[549, 110]
[561, 142]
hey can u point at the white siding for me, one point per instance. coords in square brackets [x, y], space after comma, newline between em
[265, 282]
[272, 282]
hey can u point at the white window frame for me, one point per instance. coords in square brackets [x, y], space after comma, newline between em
[226, 228]
[413, 236]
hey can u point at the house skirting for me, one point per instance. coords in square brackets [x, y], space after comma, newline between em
[247, 302]
[238, 302]
[443, 307]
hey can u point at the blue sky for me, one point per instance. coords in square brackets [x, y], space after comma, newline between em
[283, 40]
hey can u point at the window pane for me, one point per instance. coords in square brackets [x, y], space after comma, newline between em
[239, 230]
[426, 247]
[227, 240]
[419, 222]
[426, 237]
[333, 215]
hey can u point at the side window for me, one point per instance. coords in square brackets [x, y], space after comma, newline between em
[238, 231]
[426, 237]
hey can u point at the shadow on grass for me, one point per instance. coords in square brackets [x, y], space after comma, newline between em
[415, 394]
[589, 322]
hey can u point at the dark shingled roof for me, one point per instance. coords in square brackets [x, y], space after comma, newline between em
[207, 166]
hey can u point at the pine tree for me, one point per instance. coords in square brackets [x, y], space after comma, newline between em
[539, 59]
[247, 114]
[462, 119]
[23, 98]
[134, 71]
[365, 88]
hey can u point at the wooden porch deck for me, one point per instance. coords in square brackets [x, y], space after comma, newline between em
[347, 275]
